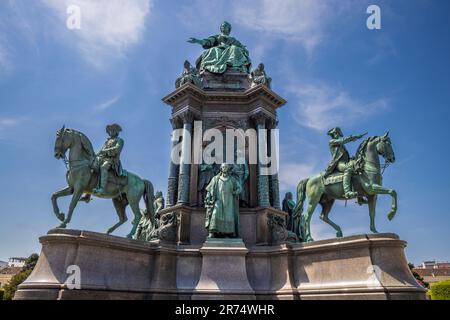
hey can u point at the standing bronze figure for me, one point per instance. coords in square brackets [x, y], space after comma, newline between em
[222, 206]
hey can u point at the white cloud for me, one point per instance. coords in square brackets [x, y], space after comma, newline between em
[291, 173]
[6, 123]
[321, 107]
[107, 104]
[305, 21]
[108, 27]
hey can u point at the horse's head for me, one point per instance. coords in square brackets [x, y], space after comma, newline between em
[62, 142]
[384, 148]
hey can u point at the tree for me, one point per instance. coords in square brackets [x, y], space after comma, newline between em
[31, 261]
[11, 287]
[419, 279]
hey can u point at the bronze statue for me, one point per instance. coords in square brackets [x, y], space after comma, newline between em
[222, 208]
[207, 172]
[145, 227]
[109, 157]
[341, 159]
[325, 189]
[259, 76]
[189, 75]
[293, 222]
[82, 177]
[222, 52]
[159, 202]
[241, 171]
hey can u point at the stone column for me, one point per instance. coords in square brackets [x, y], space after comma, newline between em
[263, 180]
[274, 182]
[172, 189]
[185, 168]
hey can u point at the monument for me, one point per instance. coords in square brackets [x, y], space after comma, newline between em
[221, 232]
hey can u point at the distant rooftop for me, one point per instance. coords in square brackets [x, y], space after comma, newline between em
[433, 264]
[10, 270]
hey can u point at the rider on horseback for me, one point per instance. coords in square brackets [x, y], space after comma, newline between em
[341, 159]
[109, 156]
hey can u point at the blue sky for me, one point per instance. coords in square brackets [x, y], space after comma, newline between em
[322, 58]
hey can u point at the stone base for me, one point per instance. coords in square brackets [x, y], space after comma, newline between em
[219, 255]
[358, 267]
[229, 81]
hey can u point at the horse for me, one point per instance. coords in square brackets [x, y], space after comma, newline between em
[367, 183]
[83, 179]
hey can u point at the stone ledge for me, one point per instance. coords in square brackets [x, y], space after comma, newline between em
[114, 267]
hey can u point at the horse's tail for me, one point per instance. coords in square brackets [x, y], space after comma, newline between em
[149, 197]
[301, 195]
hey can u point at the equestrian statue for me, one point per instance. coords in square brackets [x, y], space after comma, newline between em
[347, 178]
[100, 175]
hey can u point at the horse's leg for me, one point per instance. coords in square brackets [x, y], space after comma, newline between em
[312, 204]
[62, 193]
[375, 189]
[326, 208]
[120, 205]
[134, 205]
[372, 206]
[77, 193]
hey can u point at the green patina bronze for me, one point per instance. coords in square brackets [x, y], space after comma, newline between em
[336, 182]
[293, 222]
[222, 204]
[259, 76]
[222, 52]
[84, 168]
[189, 75]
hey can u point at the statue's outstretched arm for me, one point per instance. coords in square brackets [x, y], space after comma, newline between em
[195, 40]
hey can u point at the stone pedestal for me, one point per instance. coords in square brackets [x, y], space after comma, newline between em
[357, 267]
[224, 274]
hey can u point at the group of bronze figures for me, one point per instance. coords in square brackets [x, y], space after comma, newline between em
[222, 52]
[221, 187]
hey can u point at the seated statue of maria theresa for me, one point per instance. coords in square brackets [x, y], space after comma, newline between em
[221, 52]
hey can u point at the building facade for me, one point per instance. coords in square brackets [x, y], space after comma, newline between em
[16, 262]
[433, 271]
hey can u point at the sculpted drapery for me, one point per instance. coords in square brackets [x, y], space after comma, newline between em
[222, 52]
[222, 204]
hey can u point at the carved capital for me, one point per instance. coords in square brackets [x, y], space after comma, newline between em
[187, 117]
[272, 123]
[260, 118]
[176, 122]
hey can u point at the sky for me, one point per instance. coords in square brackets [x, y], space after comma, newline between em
[323, 60]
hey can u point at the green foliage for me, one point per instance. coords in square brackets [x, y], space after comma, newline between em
[1, 293]
[418, 277]
[440, 290]
[30, 262]
[11, 288]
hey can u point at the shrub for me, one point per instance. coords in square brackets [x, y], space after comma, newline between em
[11, 287]
[440, 290]
[1, 294]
